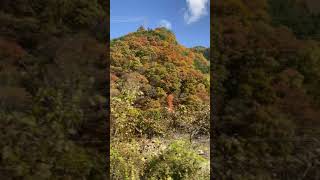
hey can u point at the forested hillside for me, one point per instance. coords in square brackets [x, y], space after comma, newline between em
[266, 79]
[53, 89]
[159, 108]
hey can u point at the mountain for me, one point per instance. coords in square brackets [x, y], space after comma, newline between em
[159, 93]
[201, 49]
[155, 61]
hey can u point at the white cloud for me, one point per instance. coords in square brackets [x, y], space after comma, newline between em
[165, 23]
[195, 10]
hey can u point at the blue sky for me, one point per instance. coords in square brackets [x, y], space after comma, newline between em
[188, 19]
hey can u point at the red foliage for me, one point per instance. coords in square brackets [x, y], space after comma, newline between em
[170, 98]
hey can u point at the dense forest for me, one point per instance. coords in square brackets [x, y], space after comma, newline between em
[53, 84]
[160, 111]
[265, 64]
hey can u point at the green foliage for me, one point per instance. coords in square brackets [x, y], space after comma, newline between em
[124, 117]
[126, 161]
[153, 122]
[194, 120]
[178, 161]
[204, 68]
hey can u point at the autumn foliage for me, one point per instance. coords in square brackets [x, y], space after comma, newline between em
[159, 89]
[170, 102]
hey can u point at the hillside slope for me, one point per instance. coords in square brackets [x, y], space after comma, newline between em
[165, 66]
[159, 91]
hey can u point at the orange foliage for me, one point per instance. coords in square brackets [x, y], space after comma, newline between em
[114, 77]
[170, 98]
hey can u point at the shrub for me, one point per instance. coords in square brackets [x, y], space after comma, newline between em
[126, 161]
[178, 161]
[152, 123]
[124, 115]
